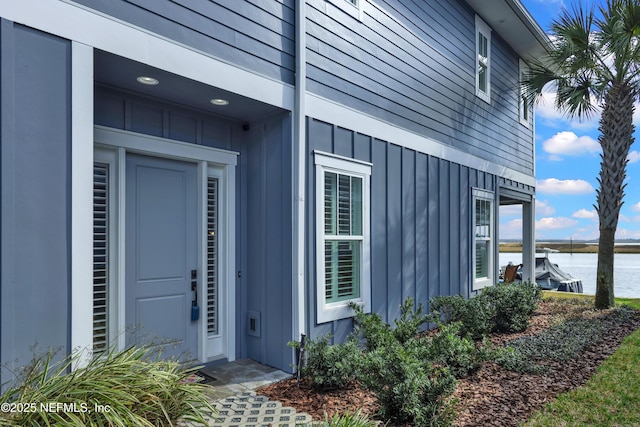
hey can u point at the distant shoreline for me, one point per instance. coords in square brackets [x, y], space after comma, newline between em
[567, 247]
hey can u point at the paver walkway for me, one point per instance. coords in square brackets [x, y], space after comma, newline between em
[232, 394]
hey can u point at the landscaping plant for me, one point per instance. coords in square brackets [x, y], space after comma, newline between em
[513, 305]
[329, 366]
[399, 367]
[475, 315]
[347, 420]
[500, 308]
[130, 388]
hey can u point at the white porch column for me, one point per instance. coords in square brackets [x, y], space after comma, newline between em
[528, 241]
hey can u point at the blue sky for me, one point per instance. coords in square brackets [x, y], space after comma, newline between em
[567, 164]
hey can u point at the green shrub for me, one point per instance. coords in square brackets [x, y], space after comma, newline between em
[410, 322]
[400, 368]
[330, 366]
[459, 353]
[475, 315]
[408, 386]
[513, 305]
[376, 333]
[136, 390]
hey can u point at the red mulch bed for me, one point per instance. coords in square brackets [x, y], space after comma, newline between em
[492, 396]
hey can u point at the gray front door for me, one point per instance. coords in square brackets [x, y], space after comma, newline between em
[161, 253]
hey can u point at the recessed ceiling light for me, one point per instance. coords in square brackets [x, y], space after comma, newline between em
[219, 101]
[145, 80]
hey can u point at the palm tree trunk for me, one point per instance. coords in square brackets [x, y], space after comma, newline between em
[616, 127]
[604, 278]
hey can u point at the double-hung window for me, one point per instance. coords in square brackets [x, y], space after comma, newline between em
[483, 235]
[483, 60]
[342, 235]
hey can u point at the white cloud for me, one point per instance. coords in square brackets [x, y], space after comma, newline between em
[544, 208]
[511, 210]
[583, 213]
[590, 232]
[555, 223]
[511, 229]
[563, 186]
[570, 144]
[636, 207]
[634, 156]
[623, 233]
[546, 110]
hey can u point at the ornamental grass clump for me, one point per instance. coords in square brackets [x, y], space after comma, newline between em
[127, 388]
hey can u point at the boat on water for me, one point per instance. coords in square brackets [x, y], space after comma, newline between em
[549, 276]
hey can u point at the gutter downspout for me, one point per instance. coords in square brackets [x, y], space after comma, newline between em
[299, 174]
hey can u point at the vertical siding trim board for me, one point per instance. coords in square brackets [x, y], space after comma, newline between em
[81, 196]
[340, 115]
[299, 324]
[7, 215]
[104, 32]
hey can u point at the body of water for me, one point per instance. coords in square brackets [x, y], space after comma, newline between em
[583, 266]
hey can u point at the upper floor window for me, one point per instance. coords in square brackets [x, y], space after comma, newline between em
[524, 104]
[483, 236]
[351, 7]
[342, 235]
[483, 60]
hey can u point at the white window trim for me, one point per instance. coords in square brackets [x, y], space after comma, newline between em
[340, 310]
[522, 105]
[485, 30]
[479, 283]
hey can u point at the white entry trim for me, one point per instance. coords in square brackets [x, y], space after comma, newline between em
[211, 162]
[81, 195]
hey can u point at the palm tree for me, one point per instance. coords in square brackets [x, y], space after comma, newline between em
[593, 62]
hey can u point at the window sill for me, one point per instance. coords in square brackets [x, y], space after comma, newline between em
[340, 310]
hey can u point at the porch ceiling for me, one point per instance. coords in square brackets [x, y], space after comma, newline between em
[119, 72]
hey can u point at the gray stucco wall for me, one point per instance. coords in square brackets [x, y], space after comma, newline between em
[412, 64]
[420, 223]
[35, 117]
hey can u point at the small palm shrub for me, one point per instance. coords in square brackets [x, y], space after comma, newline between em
[130, 386]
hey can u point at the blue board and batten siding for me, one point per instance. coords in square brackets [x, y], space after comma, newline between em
[263, 205]
[404, 65]
[35, 144]
[420, 223]
[255, 35]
